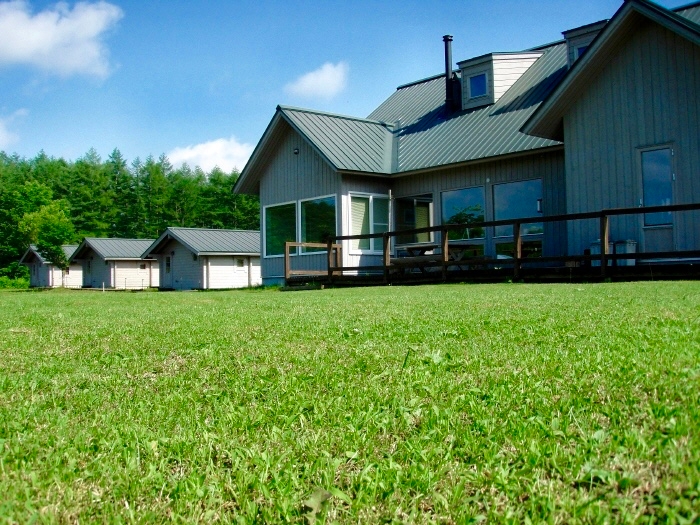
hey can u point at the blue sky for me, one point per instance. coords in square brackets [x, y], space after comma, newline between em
[200, 80]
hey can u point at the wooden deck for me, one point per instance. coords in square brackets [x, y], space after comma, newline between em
[444, 261]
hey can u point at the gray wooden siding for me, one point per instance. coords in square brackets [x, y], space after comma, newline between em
[289, 177]
[100, 273]
[548, 166]
[647, 95]
[186, 273]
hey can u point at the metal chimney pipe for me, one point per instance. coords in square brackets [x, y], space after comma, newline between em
[449, 100]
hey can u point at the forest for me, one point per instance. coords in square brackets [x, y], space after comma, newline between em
[49, 201]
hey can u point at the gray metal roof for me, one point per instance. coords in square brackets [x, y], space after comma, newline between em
[411, 130]
[429, 137]
[203, 241]
[110, 249]
[691, 12]
[348, 143]
[33, 251]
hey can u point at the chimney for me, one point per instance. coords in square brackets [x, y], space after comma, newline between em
[449, 90]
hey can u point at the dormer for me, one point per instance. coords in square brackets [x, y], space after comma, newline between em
[486, 78]
[578, 40]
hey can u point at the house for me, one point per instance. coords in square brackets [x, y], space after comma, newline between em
[204, 259]
[605, 118]
[44, 274]
[116, 263]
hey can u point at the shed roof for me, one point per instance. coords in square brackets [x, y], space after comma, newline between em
[112, 249]
[33, 252]
[203, 241]
[546, 121]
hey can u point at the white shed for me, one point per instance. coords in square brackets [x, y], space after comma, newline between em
[116, 263]
[44, 274]
[203, 259]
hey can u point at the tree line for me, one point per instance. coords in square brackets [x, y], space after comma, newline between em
[49, 201]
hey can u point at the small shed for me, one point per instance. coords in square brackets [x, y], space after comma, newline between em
[45, 274]
[116, 263]
[204, 259]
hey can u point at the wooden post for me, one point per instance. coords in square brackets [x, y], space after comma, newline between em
[518, 250]
[330, 259]
[387, 255]
[339, 257]
[286, 262]
[604, 236]
[445, 247]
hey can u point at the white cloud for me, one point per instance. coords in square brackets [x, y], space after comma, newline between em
[59, 40]
[7, 137]
[325, 82]
[227, 154]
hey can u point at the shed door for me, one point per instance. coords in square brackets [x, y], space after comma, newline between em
[166, 272]
[657, 183]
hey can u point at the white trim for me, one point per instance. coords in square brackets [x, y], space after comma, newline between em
[335, 201]
[371, 197]
[263, 233]
[486, 85]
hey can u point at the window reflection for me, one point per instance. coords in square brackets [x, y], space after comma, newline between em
[516, 200]
[657, 178]
[465, 206]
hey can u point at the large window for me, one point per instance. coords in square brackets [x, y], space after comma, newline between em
[657, 179]
[464, 206]
[317, 222]
[413, 213]
[280, 227]
[516, 200]
[368, 214]
[312, 220]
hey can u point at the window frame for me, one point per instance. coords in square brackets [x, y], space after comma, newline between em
[335, 228]
[370, 197]
[484, 193]
[264, 228]
[297, 224]
[486, 85]
[431, 217]
[496, 237]
[672, 165]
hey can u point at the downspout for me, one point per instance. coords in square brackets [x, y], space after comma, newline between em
[208, 272]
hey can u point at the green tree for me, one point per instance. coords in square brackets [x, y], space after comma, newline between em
[124, 213]
[90, 196]
[15, 202]
[49, 228]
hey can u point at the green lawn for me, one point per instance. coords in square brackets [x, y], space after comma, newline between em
[453, 403]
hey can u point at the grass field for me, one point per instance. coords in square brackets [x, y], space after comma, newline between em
[453, 403]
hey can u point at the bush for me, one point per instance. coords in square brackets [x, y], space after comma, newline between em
[20, 283]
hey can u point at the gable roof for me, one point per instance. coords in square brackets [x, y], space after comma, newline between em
[546, 121]
[203, 241]
[112, 249]
[33, 252]
[345, 143]
[412, 131]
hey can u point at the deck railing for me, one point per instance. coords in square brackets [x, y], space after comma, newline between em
[440, 258]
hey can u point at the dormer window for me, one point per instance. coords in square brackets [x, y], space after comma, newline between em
[486, 78]
[477, 86]
[579, 40]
